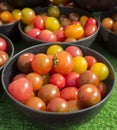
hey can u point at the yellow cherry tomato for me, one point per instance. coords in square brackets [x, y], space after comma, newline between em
[16, 13]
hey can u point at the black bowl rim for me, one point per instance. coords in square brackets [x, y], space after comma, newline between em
[80, 40]
[9, 24]
[12, 46]
[59, 113]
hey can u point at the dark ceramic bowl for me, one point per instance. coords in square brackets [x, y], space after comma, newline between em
[109, 37]
[26, 3]
[9, 29]
[95, 5]
[55, 119]
[10, 49]
[63, 10]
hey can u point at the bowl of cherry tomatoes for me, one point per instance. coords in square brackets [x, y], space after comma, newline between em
[58, 85]
[60, 24]
[108, 29]
[9, 18]
[6, 50]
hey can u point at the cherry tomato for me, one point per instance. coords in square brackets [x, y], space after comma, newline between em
[4, 57]
[21, 89]
[88, 77]
[47, 36]
[90, 29]
[63, 62]
[19, 75]
[38, 22]
[69, 93]
[41, 63]
[24, 62]
[74, 30]
[28, 15]
[48, 92]
[3, 44]
[90, 21]
[102, 88]
[45, 78]
[80, 64]
[53, 49]
[36, 103]
[6, 16]
[58, 80]
[74, 105]
[90, 60]
[83, 20]
[72, 79]
[58, 105]
[16, 13]
[107, 23]
[101, 70]
[33, 33]
[74, 51]
[36, 80]
[52, 24]
[89, 95]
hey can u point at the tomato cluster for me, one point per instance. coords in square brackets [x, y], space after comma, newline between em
[60, 80]
[4, 57]
[110, 22]
[53, 26]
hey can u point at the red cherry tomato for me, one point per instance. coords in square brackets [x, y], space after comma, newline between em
[3, 44]
[41, 63]
[58, 80]
[63, 62]
[38, 22]
[89, 95]
[90, 29]
[21, 89]
[74, 51]
[48, 91]
[72, 79]
[90, 60]
[69, 93]
[36, 103]
[90, 21]
[103, 88]
[58, 105]
[19, 75]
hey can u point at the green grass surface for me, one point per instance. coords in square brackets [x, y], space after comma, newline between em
[10, 119]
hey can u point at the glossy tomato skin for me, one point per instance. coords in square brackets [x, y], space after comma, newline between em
[48, 92]
[90, 29]
[36, 103]
[41, 63]
[90, 60]
[72, 79]
[89, 95]
[69, 93]
[3, 44]
[4, 57]
[47, 36]
[88, 77]
[38, 22]
[102, 88]
[58, 80]
[33, 33]
[63, 62]
[36, 80]
[24, 62]
[58, 105]
[90, 21]
[21, 89]
[19, 75]
[74, 51]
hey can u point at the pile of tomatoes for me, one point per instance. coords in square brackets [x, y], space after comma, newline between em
[4, 57]
[53, 26]
[110, 22]
[60, 80]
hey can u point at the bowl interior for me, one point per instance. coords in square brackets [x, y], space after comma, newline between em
[48, 118]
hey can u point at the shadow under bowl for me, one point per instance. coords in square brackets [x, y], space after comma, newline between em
[55, 120]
